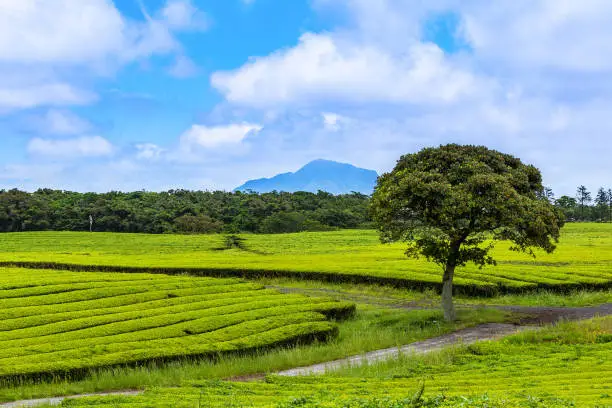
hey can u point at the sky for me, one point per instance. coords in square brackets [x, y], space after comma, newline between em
[101, 95]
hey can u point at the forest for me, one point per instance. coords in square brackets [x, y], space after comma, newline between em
[181, 211]
[200, 212]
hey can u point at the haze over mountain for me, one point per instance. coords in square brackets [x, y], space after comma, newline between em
[326, 175]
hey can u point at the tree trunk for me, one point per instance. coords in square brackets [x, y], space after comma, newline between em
[447, 293]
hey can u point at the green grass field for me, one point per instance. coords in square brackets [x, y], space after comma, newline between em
[582, 260]
[68, 323]
[562, 366]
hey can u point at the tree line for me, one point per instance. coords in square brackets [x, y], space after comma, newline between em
[585, 206]
[184, 211]
[181, 211]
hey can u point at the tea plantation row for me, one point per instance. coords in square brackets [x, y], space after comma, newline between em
[582, 260]
[67, 323]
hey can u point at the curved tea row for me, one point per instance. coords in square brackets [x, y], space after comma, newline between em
[66, 323]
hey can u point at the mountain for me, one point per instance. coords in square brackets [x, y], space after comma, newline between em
[326, 175]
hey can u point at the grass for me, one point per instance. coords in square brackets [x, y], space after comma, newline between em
[583, 259]
[565, 365]
[397, 297]
[371, 328]
[54, 326]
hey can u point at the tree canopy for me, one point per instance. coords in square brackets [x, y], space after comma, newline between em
[451, 203]
[181, 211]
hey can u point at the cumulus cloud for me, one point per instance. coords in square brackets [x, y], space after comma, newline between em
[62, 31]
[55, 37]
[84, 146]
[323, 67]
[65, 32]
[212, 137]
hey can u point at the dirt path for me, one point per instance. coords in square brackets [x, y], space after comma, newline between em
[547, 315]
[59, 400]
[490, 331]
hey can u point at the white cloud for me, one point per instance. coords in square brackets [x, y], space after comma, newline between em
[547, 34]
[183, 15]
[64, 32]
[149, 151]
[84, 146]
[50, 94]
[324, 67]
[212, 137]
[46, 45]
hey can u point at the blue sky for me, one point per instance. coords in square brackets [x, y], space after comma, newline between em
[99, 95]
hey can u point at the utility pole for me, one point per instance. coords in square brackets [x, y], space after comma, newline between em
[91, 220]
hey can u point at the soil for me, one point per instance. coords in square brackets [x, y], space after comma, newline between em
[547, 315]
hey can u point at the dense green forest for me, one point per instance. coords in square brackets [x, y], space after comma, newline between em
[586, 206]
[181, 211]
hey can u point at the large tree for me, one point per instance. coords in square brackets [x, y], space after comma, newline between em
[451, 203]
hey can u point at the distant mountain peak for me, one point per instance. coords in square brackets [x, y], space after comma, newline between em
[320, 174]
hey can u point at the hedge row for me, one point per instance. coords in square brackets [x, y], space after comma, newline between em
[149, 307]
[55, 329]
[159, 327]
[267, 333]
[126, 299]
[476, 285]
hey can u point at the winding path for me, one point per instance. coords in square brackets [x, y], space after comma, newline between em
[489, 331]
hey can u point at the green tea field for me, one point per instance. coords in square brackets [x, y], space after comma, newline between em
[569, 365]
[67, 323]
[583, 258]
[183, 321]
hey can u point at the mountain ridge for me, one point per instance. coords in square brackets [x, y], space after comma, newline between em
[326, 175]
